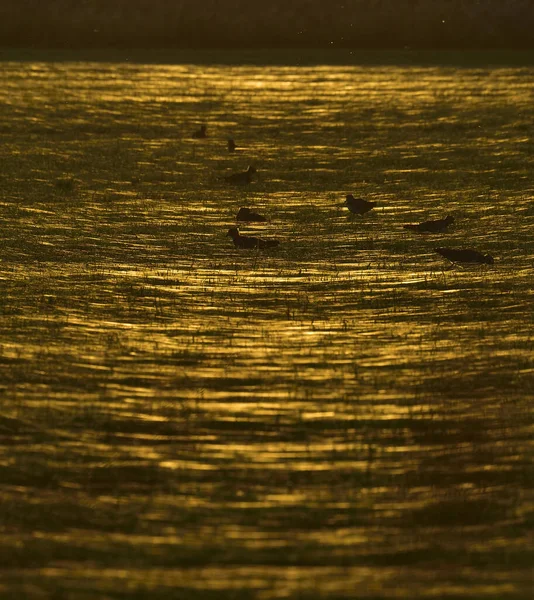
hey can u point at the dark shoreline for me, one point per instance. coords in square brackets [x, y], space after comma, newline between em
[278, 56]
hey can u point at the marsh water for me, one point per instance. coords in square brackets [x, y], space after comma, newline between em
[348, 415]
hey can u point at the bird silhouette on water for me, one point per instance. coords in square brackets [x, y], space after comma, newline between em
[245, 214]
[437, 226]
[200, 133]
[358, 206]
[231, 145]
[465, 255]
[241, 178]
[249, 241]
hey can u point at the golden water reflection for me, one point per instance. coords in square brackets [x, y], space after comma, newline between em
[345, 414]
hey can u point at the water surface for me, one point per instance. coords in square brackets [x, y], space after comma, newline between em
[345, 416]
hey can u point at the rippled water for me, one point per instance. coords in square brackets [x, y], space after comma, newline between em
[345, 416]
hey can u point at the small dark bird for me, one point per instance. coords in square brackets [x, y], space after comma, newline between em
[231, 145]
[245, 214]
[358, 206]
[248, 241]
[437, 226]
[200, 133]
[465, 255]
[241, 178]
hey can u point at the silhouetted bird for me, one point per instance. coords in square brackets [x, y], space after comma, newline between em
[436, 226]
[200, 133]
[241, 178]
[245, 214]
[358, 206]
[248, 241]
[231, 145]
[465, 255]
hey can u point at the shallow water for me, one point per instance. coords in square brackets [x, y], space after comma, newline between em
[345, 416]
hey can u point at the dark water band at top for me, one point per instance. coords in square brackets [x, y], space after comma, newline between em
[241, 24]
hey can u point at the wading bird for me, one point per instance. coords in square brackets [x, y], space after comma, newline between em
[437, 226]
[465, 255]
[248, 241]
[241, 178]
[358, 206]
[245, 214]
[200, 133]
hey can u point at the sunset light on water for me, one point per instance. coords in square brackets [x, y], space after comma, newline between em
[345, 415]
